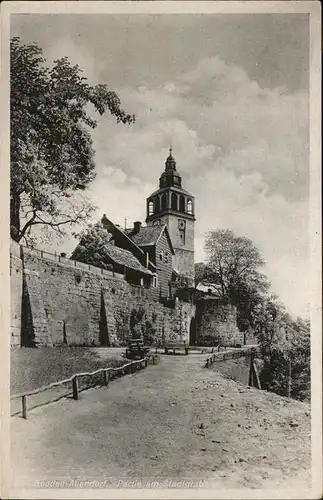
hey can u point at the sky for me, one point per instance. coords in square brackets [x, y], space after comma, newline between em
[230, 93]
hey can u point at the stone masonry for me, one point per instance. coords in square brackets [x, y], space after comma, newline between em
[16, 278]
[216, 321]
[57, 301]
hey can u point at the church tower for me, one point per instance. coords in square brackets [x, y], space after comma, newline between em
[174, 206]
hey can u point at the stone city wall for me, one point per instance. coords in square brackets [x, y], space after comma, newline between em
[16, 275]
[216, 321]
[57, 301]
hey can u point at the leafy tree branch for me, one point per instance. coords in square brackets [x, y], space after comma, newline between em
[51, 147]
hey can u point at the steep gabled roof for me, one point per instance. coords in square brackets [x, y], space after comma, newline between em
[125, 258]
[149, 236]
[110, 226]
[215, 288]
[124, 235]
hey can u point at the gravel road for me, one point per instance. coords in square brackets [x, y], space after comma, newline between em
[170, 423]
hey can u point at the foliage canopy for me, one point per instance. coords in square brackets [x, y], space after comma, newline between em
[93, 245]
[233, 264]
[51, 147]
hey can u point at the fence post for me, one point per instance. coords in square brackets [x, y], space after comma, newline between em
[251, 369]
[255, 371]
[289, 380]
[75, 388]
[106, 377]
[24, 407]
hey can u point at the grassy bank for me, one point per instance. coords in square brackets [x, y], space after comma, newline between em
[34, 368]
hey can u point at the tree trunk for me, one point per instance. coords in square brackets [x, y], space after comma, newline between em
[15, 216]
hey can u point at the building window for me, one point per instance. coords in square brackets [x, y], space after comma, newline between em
[174, 201]
[189, 207]
[182, 237]
[163, 201]
[181, 203]
[161, 255]
[166, 257]
[150, 208]
[155, 281]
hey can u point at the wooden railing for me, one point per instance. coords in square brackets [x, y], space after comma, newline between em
[224, 355]
[74, 380]
[250, 352]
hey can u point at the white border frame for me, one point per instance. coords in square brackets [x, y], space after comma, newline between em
[170, 7]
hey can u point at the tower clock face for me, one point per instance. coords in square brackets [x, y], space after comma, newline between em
[181, 224]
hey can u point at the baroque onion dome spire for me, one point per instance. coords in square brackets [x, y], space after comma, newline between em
[170, 177]
[170, 163]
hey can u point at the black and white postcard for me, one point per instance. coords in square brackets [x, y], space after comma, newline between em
[161, 272]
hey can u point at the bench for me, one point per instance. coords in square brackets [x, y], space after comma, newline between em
[176, 346]
[136, 349]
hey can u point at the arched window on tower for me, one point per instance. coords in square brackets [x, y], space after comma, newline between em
[181, 203]
[189, 207]
[174, 201]
[150, 207]
[163, 201]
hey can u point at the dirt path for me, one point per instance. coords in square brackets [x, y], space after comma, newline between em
[170, 422]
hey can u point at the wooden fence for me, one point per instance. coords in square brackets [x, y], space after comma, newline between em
[74, 380]
[222, 356]
[250, 352]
